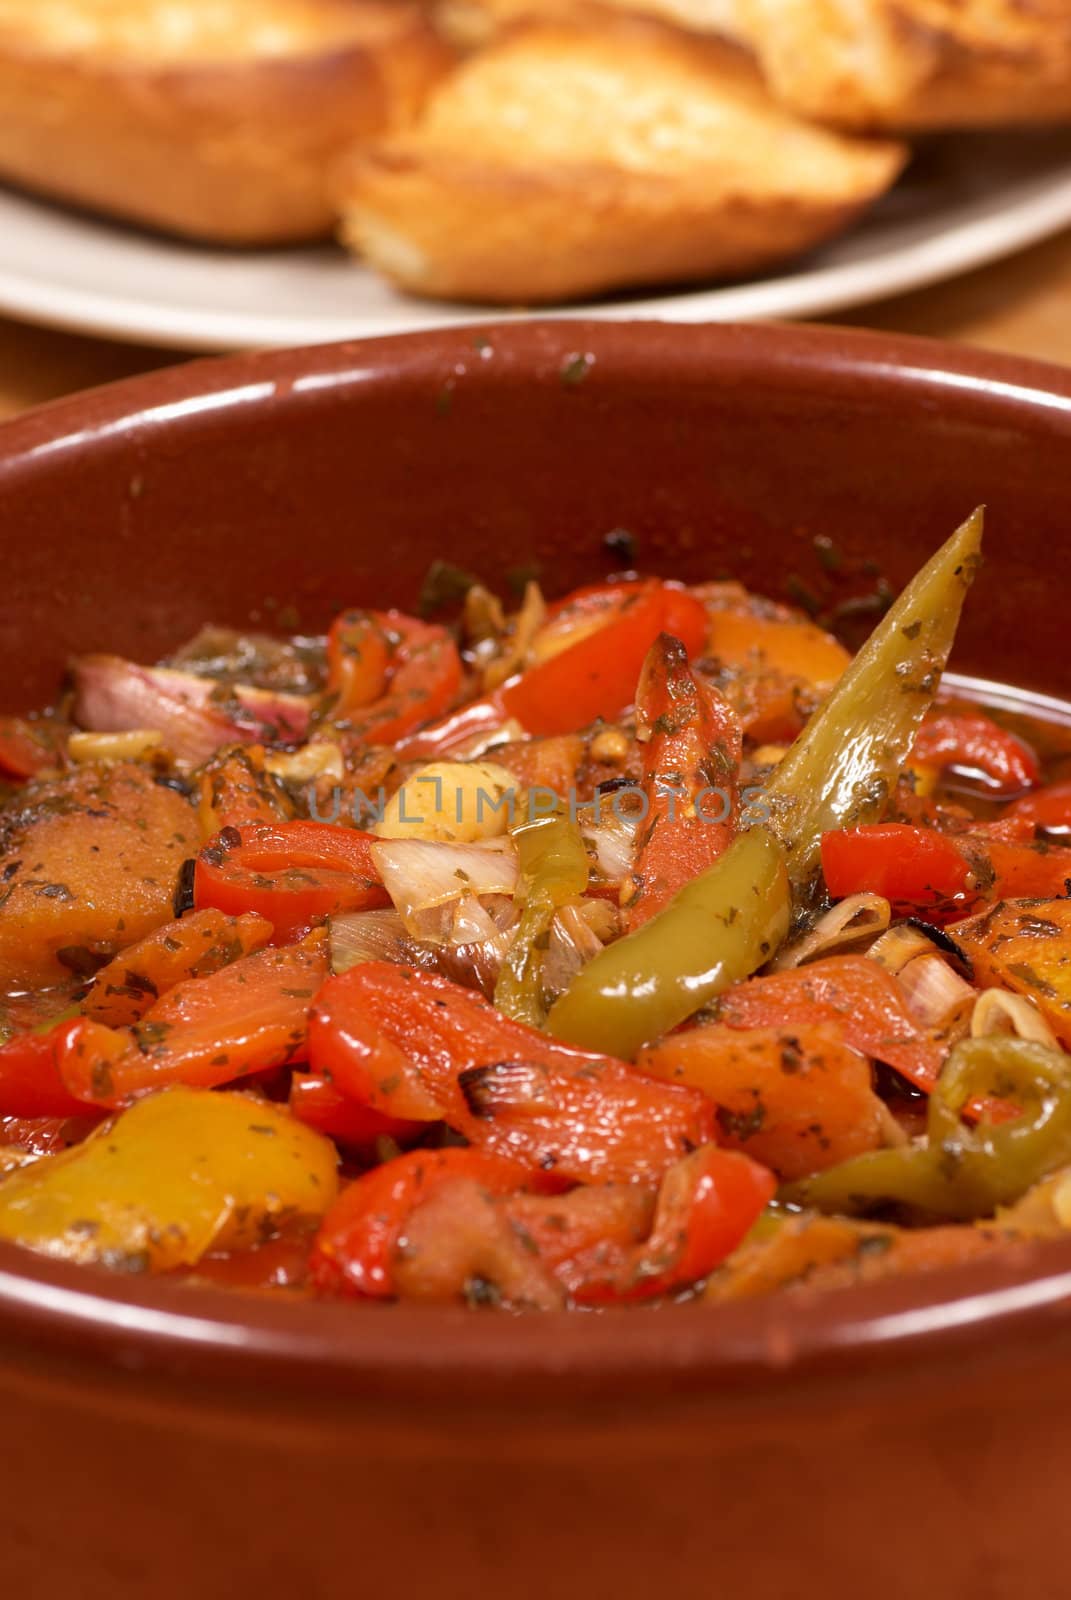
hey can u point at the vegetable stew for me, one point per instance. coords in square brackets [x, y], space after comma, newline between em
[641, 943]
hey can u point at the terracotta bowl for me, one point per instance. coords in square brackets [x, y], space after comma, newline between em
[158, 1442]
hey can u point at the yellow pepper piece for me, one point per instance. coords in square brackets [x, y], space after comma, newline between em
[182, 1172]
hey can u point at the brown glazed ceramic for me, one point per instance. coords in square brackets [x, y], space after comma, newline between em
[171, 1444]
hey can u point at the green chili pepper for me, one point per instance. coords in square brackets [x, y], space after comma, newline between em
[843, 767]
[554, 868]
[958, 1171]
[719, 929]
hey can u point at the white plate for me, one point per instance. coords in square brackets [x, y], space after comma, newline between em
[966, 200]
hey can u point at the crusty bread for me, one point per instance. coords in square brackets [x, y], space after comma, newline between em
[882, 65]
[913, 64]
[573, 157]
[216, 119]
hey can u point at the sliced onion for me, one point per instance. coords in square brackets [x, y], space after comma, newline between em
[89, 748]
[421, 875]
[381, 936]
[517, 646]
[320, 758]
[934, 993]
[270, 715]
[473, 966]
[572, 944]
[366, 936]
[473, 921]
[900, 945]
[998, 1012]
[613, 840]
[193, 714]
[894, 1135]
[849, 923]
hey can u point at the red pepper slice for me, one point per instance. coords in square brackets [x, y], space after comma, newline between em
[852, 991]
[413, 1044]
[597, 676]
[596, 600]
[1049, 808]
[1012, 871]
[32, 1083]
[358, 661]
[391, 673]
[908, 866]
[976, 742]
[707, 1203]
[357, 1245]
[249, 1017]
[921, 868]
[292, 873]
[25, 747]
[44, 1136]
[594, 678]
[602, 1245]
[691, 766]
[315, 1101]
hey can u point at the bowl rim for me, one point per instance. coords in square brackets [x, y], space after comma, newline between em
[757, 1348]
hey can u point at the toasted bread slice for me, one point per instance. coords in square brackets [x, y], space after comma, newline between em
[911, 65]
[572, 158]
[215, 120]
[879, 65]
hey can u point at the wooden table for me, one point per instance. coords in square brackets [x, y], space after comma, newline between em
[1022, 306]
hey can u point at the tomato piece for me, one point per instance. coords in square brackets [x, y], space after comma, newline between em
[691, 764]
[413, 1044]
[250, 1017]
[908, 866]
[392, 672]
[357, 1245]
[32, 1083]
[851, 991]
[315, 1101]
[293, 874]
[976, 743]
